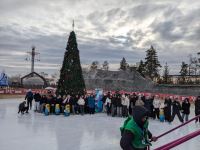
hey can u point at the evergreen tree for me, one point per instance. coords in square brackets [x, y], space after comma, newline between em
[183, 73]
[71, 79]
[94, 65]
[105, 65]
[152, 64]
[123, 64]
[141, 68]
[166, 78]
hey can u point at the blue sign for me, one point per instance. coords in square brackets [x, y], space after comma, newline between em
[3, 79]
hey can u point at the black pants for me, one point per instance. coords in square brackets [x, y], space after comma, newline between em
[174, 113]
[196, 114]
[167, 113]
[52, 109]
[91, 110]
[113, 110]
[86, 109]
[29, 102]
[82, 109]
[124, 111]
[76, 109]
[157, 113]
[108, 109]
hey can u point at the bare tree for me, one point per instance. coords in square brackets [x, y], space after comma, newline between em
[94, 65]
[105, 65]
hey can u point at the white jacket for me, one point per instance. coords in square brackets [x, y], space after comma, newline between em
[162, 106]
[108, 101]
[126, 101]
[156, 103]
[81, 101]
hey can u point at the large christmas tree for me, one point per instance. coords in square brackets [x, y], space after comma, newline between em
[71, 79]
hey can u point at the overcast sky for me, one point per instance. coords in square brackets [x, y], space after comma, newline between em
[105, 30]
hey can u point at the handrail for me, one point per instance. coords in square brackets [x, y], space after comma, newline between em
[178, 126]
[179, 141]
[161, 147]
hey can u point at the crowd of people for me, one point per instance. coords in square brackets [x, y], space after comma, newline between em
[115, 105]
[78, 104]
[163, 109]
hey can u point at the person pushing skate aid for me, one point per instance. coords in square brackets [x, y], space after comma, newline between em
[134, 132]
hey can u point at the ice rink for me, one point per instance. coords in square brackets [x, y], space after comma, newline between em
[35, 131]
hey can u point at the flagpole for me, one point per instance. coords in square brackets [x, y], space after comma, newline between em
[73, 25]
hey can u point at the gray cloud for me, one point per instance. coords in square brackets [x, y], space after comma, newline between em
[106, 30]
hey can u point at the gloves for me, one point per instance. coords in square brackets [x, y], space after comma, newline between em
[154, 139]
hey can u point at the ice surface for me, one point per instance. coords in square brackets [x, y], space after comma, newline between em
[35, 131]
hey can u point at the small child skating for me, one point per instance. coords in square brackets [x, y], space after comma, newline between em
[67, 110]
[47, 110]
[162, 117]
[57, 109]
[161, 114]
[23, 107]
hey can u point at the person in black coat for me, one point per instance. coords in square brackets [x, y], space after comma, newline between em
[185, 109]
[114, 105]
[59, 100]
[76, 107]
[140, 117]
[43, 102]
[119, 105]
[167, 109]
[37, 98]
[197, 108]
[148, 104]
[63, 103]
[29, 98]
[133, 99]
[176, 108]
[86, 107]
[53, 103]
[73, 103]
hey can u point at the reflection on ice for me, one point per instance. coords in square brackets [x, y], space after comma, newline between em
[89, 132]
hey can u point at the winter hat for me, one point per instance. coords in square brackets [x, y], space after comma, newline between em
[138, 113]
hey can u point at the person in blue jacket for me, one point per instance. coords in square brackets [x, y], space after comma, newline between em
[91, 104]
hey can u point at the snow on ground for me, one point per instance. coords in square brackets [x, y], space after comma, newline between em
[35, 131]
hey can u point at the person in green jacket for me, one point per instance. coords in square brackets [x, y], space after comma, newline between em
[135, 133]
